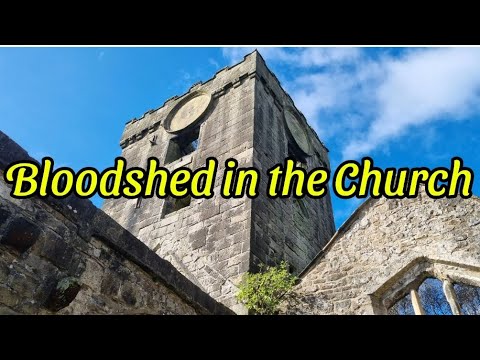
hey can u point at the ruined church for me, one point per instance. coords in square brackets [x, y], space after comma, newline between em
[188, 255]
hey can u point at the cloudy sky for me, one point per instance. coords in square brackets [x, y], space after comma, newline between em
[404, 107]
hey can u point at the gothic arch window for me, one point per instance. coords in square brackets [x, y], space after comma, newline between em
[430, 287]
[428, 299]
[468, 297]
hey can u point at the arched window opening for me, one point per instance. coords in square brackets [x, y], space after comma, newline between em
[437, 297]
[468, 297]
[402, 307]
[432, 298]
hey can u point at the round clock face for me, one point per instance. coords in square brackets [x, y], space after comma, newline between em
[187, 112]
[297, 130]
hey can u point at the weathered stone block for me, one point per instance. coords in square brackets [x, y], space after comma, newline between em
[20, 234]
[4, 215]
[110, 285]
[7, 311]
[57, 250]
[129, 296]
[198, 238]
[63, 294]
[8, 296]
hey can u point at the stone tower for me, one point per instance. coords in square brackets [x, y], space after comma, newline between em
[241, 113]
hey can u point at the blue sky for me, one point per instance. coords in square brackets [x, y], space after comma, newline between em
[404, 107]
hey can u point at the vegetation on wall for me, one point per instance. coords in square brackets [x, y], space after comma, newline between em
[262, 292]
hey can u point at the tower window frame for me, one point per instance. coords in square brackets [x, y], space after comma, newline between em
[172, 205]
[295, 154]
[182, 145]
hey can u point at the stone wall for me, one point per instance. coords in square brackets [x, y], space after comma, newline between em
[68, 257]
[386, 246]
[288, 229]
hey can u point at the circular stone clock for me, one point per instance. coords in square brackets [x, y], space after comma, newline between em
[297, 130]
[187, 112]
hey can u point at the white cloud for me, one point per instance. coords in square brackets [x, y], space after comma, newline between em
[236, 54]
[327, 56]
[298, 57]
[424, 87]
[214, 63]
[364, 101]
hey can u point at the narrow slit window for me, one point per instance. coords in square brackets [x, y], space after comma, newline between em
[139, 203]
[294, 154]
[303, 208]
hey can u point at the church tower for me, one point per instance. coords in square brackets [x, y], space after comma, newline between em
[241, 113]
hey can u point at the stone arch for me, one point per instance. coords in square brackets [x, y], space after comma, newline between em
[414, 274]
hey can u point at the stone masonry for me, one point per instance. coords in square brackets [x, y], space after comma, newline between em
[68, 257]
[291, 229]
[388, 246]
[213, 242]
[172, 256]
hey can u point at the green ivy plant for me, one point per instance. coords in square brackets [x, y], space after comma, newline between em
[262, 292]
